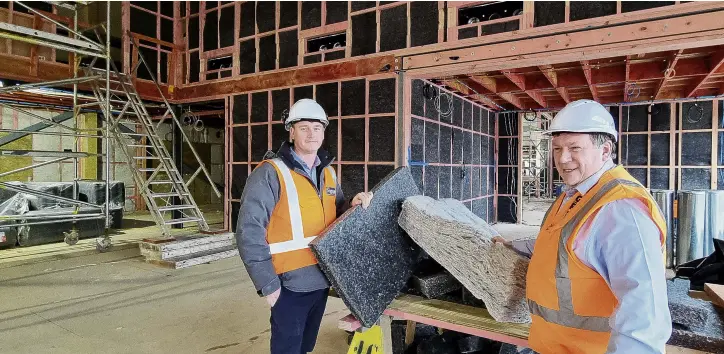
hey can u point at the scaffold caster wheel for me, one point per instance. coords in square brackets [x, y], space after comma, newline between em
[71, 238]
[103, 244]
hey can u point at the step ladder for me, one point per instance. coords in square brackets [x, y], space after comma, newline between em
[154, 172]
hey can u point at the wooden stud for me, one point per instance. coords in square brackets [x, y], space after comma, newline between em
[672, 144]
[679, 133]
[648, 147]
[714, 144]
[519, 173]
[568, 12]
[526, 20]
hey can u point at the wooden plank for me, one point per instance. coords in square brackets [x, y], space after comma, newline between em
[716, 293]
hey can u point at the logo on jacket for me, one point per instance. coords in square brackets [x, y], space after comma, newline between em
[331, 191]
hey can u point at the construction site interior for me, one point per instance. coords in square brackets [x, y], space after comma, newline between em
[127, 125]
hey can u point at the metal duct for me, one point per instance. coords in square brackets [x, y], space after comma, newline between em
[665, 199]
[690, 242]
[714, 219]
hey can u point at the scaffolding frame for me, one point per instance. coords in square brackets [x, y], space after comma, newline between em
[79, 45]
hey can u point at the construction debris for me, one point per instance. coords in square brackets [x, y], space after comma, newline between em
[462, 243]
[186, 251]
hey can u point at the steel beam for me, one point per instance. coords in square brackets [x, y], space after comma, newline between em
[32, 36]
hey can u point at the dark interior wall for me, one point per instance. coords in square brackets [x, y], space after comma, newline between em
[651, 133]
[361, 133]
[508, 159]
[452, 148]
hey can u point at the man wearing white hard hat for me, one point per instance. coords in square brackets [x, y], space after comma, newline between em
[287, 201]
[596, 281]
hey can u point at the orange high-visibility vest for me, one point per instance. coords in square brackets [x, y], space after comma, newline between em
[570, 303]
[299, 217]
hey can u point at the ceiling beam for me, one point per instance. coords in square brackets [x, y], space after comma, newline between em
[491, 84]
[669, 72]
[716, 61]
[481, 92]
[586, 66]
[550, 73]
[519, 80]
[627, 78]
[515, 101]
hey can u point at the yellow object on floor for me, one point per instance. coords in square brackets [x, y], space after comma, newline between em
[367, 342]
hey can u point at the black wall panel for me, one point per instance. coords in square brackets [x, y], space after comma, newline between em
[226, 27]
[211, 31]
[639, 174]
[364, 33]
[266, 16]
[431, 181]
[353, 97]
[695, 178]
[336, 11]
[696, 149]
[628, 6]
[661, 117]
[143, 22]
[465, 33]
[361, 5]
[696, 115]
[382, 96]
[507, 209]
[393, 28]
[432, 132]
[382, 133]
[279, 135]
[313, 59]
[417, 140]
[660, 149]
[288, 14]
[303, 92]
[581, 10]
[635, 118]
[457, 146]
[375, 174]
[416, 172]
[311, 14]
[247, 56]
[247, 21]
[417, 99]
[280, 103]
[240, 114]
[445, 183]
[331, 138]
[288, 49]
[457, 113]
[445, 142]
[241, 143]
[424, 26]
[259, 142]
[353, 180]
[259, 107]
[267, 52]
[353, 136]
[194, 67]
[328, 97]
[634, 149]
[194, 33]
[659, 178]
[548, 13]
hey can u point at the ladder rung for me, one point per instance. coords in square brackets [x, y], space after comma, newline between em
[161, 182]
[147, 169]
[166, 195]
[139, 146]
[176, 207]
[181, 221]
[134, 134]
[145, 158]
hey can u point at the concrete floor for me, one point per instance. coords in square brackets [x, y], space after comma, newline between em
[116, 303]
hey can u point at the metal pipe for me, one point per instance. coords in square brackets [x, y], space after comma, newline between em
[55, 221]
[665, 200]
[714, 220]
[46, 120]
[45, 195]
[108, 109]
[62, 25]
[76, 64]
[33, 166]
[63, 82]
[691, 232]
[49, 133]
[4, 218]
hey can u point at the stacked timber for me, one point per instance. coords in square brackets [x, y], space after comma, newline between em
[462, 243]
[186, 251]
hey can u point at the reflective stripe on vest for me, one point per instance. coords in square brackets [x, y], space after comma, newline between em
[298, 240]
[565, 315]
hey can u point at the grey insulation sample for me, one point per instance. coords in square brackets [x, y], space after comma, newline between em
[287, 14]
[259, 142]
[247, 56]
[382, 138]
[280, 103]
[241, 144]
[311, 14]
[279, 135]
[226, 27]
[267, 53]
[628, 6]
[697, 323]
[328, 98]
[265, 16]
[393, 28]
[634, 149]
[661, 117]
[364, 33]
[462, 243]
[353, 97]
[336, 11]
[240, 113]
[696, 115]
[364, 252]
[382, 96]
[696, 149]
[430, 181]
[330, 138]
[376, 173]
[659, 178]
[313, 59]
[339, 54]
[635, 118]
[434, 285]
[418, 100]
[260, 107]
[353, 139]
[239, 174]
[353, 180]
[695, 178]
[423, 30]
[444, 178]
[639, 174]
[211, 31]
[288, 49]
[303, 92]
[247, 25]
[660, 149]
[444, 142]
[194, 66]
[480, 208]
[417, 140]
[548, 13]
[194, 32]
[581, 10]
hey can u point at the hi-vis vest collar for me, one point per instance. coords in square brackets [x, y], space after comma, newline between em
[298, 241]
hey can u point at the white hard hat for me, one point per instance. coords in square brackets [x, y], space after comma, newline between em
[584, 116]
[306, 109]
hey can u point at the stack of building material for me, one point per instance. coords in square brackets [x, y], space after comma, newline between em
[462, 243]
[186, 251]
[365, 254]
[697, 324]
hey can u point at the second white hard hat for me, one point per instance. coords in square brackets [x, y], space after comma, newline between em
[584, 116]
[306, 109]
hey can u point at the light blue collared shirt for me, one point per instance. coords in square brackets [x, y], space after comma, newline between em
[621, 243]
[311, 171]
